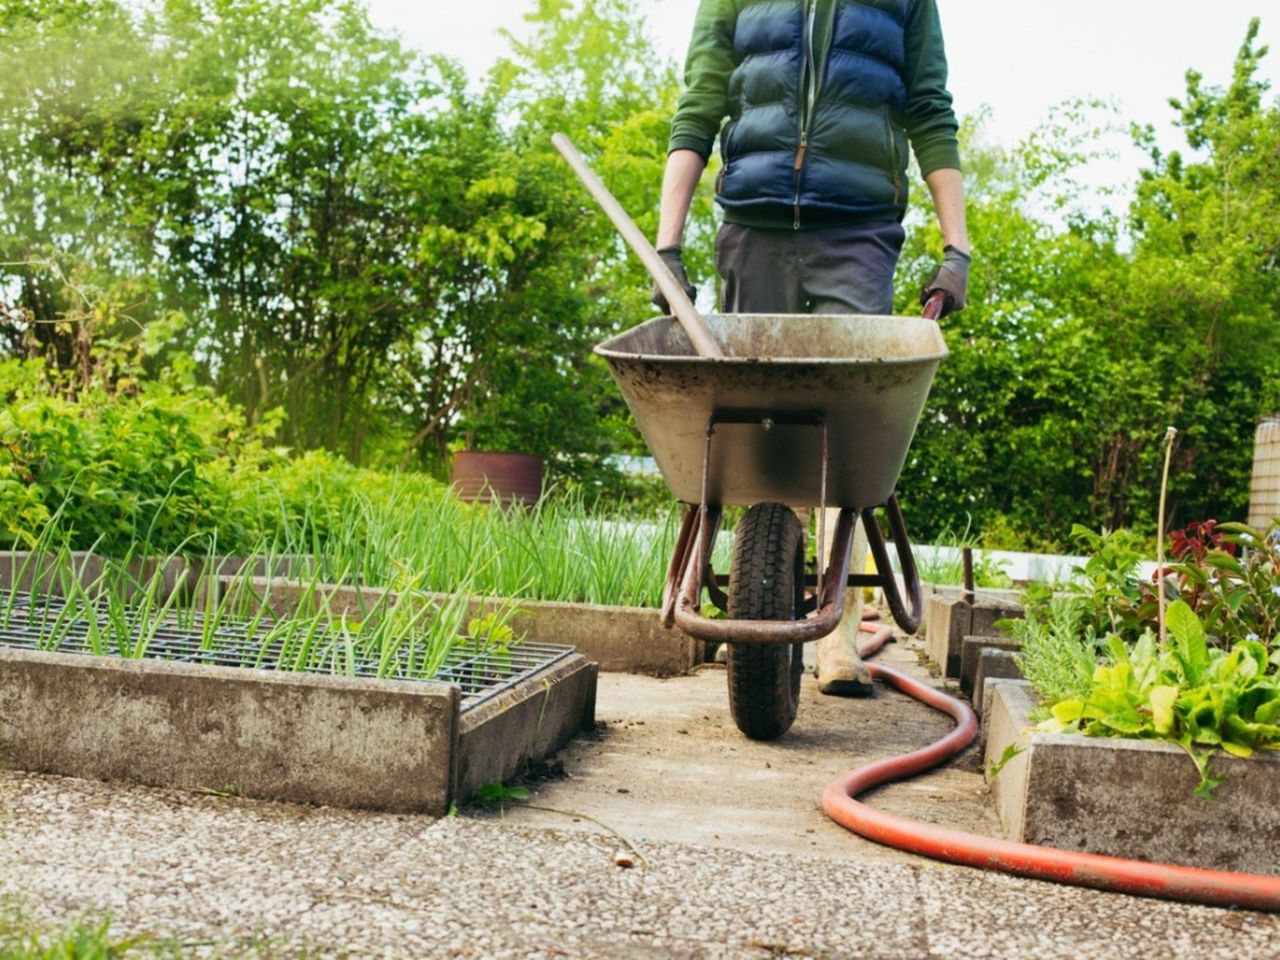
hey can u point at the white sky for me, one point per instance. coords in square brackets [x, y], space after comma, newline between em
[1020, 57]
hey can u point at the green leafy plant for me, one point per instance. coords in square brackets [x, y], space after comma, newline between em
[1059, 648]
[497, 794]
[996, 766]
[946, 565]
[1189, 693]
[84, 939]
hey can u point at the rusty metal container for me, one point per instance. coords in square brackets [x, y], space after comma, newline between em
[487, 476]
[1264, 490]
[865, 377]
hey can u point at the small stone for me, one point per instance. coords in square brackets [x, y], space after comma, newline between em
[624, 860]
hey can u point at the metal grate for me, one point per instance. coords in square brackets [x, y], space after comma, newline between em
[481, 671]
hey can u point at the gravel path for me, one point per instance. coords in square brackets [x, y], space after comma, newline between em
[241, 877]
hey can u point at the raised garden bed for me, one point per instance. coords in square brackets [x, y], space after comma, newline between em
[198, 715]
[620, 639]
[1126, 797]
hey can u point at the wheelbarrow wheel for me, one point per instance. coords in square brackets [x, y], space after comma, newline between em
[766, 582]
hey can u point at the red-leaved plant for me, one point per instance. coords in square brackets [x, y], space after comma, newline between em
[1229, 574]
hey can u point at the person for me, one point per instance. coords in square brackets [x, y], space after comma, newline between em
[814, 103]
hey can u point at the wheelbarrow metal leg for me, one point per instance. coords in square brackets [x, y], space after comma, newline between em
[679, 558]
[909, 621]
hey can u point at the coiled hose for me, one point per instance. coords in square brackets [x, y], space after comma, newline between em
[1171, 882]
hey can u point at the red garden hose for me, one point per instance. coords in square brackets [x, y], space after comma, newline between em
[1169, 881]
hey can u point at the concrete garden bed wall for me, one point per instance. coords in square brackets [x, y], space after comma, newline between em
[949, 618]
[620, 639]
[973, 651]
[45, 574]
[405, 746]
[1129, 798]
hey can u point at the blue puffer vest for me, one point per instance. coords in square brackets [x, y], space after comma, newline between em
[841, 158]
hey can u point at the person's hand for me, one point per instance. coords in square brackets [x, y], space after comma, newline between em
[671, 257]
[951, 278]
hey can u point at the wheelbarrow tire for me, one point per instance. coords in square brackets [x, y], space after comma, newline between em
[766, 582]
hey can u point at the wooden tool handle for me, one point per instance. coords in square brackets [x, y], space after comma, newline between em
[681, 306]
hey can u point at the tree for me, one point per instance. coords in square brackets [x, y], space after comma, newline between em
[1086, 338]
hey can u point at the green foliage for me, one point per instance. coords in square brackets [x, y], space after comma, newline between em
[497, 794]
[129, 610]
[1059, 648]
[564, 549]
[1088, 332]
[82, 940]
[384, 248]
[1214, 684]
[947, 566]
[1113, 597]
[994, 768]
[1189, 693]
[176, 468]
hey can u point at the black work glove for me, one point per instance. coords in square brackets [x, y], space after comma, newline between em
[671, 257]
[951, 277]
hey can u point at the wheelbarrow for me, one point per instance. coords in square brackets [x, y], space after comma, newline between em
[773, 413]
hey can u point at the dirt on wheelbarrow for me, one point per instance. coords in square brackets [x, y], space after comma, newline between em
[666, 762]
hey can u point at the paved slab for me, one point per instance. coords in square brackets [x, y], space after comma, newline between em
[668, 763]
[251, 878]
[730, 868]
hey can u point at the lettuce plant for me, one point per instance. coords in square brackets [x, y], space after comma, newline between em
[1186, 692]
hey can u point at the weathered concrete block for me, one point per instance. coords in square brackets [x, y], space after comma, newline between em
[622, 639]
[950, 619]
[993, 664]
[1130, 798]
[402, 746]
[987, 613]
[376, 744]
[1004, 723]
[971, 649]
[529, 722]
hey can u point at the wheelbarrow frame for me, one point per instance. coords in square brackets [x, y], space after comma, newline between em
[691, 571]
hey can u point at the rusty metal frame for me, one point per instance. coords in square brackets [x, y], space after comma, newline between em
[690, 570]
[909, 621]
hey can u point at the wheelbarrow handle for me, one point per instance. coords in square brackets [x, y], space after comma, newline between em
[685, 312]
[934, 306]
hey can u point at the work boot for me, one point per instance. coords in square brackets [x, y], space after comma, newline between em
[841, 672]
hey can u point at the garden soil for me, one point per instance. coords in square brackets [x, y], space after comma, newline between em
[729, 857]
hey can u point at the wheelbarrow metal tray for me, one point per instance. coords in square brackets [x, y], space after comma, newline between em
[865, 378]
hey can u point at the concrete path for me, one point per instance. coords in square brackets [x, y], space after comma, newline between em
[737, 859]
[667, 763]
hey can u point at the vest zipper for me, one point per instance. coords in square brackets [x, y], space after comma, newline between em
[808, 93]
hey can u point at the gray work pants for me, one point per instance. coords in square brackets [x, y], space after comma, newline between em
[829, 270]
